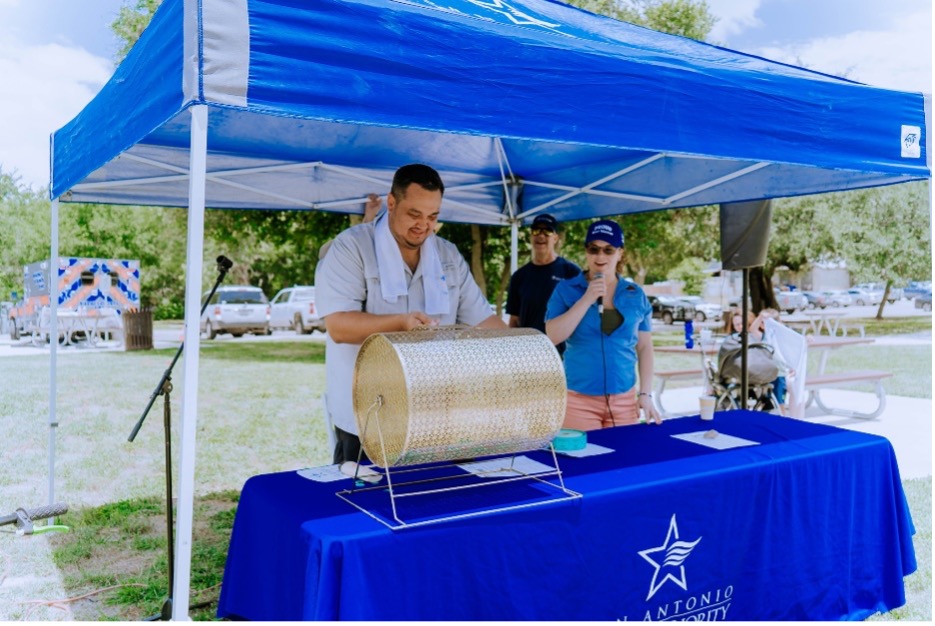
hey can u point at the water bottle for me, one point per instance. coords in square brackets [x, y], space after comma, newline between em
[689, 334]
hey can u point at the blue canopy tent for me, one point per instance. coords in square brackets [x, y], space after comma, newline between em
[523, 106]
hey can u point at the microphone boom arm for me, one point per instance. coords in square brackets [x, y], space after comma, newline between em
[164, 388]
[224, 264]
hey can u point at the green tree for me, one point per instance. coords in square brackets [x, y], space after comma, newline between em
[24, 231]
[130, 23]
[690, 272]
[882, 233]
[887, 235]
[678, 17]
[155, 236]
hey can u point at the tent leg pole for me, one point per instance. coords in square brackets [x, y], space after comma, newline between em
[198, 154]
[744, 339]
[514, 247]
[53, 350]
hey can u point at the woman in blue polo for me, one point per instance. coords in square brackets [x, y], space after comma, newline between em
[608, 339]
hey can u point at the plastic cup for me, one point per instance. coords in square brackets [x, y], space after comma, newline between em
[707, 407]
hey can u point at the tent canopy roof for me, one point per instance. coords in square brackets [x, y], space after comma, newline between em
[523, 106]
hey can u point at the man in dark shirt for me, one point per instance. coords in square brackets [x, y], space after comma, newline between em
[532, 285]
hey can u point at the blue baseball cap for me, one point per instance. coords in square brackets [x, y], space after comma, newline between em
[605, 230]
[545, 221]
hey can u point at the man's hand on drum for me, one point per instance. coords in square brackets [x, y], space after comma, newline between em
[418, 319]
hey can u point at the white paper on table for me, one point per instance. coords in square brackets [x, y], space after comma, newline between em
[322, 474]
[506, 466]
[591, 449]
[721, 442]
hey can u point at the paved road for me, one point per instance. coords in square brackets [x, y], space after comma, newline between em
[169, 334]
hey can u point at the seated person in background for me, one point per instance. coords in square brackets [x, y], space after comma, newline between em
[758, 330]
[733, 325]
[759, 361]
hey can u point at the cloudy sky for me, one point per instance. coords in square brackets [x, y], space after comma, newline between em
[56, 54]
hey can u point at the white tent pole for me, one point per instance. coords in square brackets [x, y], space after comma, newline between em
[195, 253]
[53, 346]
[514, 246]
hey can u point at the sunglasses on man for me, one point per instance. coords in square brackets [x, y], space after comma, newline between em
[541, 231]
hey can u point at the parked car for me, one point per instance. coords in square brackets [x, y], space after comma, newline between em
[924, 301]
[917, 288]
[294, 308]
[673, 309]
[704, 311]
[790, 301]
[236, 310]
[879, 288]
[863, 296]
[838, 298]
[816, 299]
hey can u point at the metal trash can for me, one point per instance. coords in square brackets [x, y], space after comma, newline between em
[138, 329]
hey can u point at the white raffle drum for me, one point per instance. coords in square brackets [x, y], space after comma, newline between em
[454, 393]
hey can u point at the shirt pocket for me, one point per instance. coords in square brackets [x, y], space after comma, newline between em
[375, 303]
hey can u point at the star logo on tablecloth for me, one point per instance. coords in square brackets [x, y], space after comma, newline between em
[668, 559]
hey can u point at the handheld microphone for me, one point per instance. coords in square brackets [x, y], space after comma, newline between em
[600, 300]
[225, 263]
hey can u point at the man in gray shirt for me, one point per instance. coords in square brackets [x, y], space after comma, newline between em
[390, 275]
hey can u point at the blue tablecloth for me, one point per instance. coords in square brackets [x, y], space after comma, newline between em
[810, 524]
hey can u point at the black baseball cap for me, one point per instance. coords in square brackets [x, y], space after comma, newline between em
[545, 221]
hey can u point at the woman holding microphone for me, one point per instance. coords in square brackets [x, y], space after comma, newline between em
[606, 322]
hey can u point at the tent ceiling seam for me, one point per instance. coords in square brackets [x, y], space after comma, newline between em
[574, 191]
[717, 181]
[352, 174]
[183, 174]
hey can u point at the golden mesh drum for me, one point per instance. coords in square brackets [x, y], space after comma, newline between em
[454, 393]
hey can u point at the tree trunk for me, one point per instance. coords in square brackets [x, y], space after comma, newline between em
[501, 288]
[886, 294]
[477, 258]
[761, 290]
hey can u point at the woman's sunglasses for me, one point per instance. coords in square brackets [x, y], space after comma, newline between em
[595, 250]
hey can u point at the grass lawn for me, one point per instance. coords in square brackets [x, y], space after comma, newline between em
[258, 412]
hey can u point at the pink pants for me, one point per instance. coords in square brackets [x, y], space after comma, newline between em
[584, 412]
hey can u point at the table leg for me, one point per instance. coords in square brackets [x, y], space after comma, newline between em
[67, 328]
[837, 323]
[91, 331]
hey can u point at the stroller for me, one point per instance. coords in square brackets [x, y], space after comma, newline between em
[724, 380]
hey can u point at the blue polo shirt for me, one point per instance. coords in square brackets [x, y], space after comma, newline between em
[584, 360]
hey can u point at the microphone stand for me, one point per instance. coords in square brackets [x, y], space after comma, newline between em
[164, 388]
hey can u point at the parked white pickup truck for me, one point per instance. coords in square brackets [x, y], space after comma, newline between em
[294, 307]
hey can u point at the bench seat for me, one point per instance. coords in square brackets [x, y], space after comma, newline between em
[815, 383]
[664, 377]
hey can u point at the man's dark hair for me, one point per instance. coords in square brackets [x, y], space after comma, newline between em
[417, 173]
